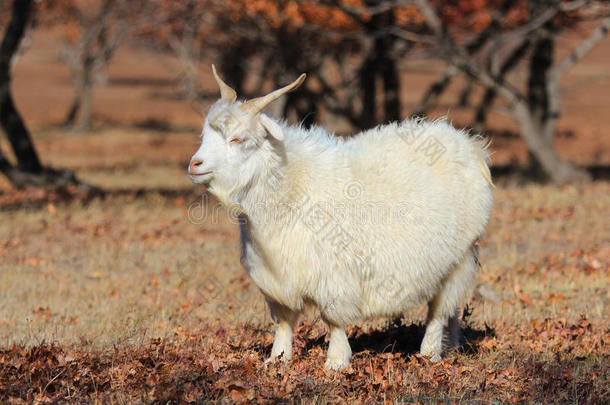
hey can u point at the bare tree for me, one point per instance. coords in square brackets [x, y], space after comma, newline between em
[185, 40]
[100, 31]
[536, 112]
[180, 30]
[380, 53]
[509, 63]
[438, 87]
[18, 135]
[28, 169]
[353, 65]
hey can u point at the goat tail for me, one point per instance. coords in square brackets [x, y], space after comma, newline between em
[483, 157]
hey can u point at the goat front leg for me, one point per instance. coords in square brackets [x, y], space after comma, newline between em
[286, 320]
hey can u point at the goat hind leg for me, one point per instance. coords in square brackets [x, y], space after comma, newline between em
[443, 309]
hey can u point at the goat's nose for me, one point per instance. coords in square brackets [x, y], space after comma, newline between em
[195, 163]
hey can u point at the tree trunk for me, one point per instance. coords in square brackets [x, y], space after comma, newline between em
[391, 91]
[368, 87]
[303, 103]
[28, 170]
[388, 70]
[73, 111]
[18, 135]
[464, 98]
[380, 65]
[232, 67]
[551, 165]
[480, 115]
[540, 66]
[544, 162]
[79, 115]
[76, 104]
[84, 118]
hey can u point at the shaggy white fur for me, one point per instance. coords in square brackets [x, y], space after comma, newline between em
[367, 226]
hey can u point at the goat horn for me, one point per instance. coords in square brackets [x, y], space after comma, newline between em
[256, 105]
[226, 92]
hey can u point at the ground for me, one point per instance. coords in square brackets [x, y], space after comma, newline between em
[139, 296]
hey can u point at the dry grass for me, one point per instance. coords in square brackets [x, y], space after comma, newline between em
[91, 275]
[124, 269]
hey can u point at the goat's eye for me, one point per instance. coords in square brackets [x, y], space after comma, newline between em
[235, 140]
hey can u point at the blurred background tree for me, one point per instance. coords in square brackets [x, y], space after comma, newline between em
[363, 43]
[353, 52]
[91, 32]
[28, 169]
[537, 107]
[18, 135]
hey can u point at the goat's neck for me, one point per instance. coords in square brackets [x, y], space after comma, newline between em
[264, 193]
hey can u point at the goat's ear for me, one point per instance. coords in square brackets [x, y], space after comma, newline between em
[271, 127]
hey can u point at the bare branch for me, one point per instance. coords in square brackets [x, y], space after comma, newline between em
[508, 64]
[573, 5]
[435, 90]
[553, 90]
[438, 87]
[411, 36]
[355, 15]
[533, 25]
[461, 59]
[432, 19]
[582, 49]
[492, 27]
[585, 82]
[359, 12]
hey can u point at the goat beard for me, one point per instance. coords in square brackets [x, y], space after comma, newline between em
[226, 198]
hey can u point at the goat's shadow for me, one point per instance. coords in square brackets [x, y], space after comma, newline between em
[399, 338]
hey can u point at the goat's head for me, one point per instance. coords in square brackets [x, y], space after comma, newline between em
[236, 139]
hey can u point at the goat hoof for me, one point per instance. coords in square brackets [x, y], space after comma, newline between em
[336, 363]
[434, 358]
[277, 358]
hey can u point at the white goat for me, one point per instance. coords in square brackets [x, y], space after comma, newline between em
[361, 227]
